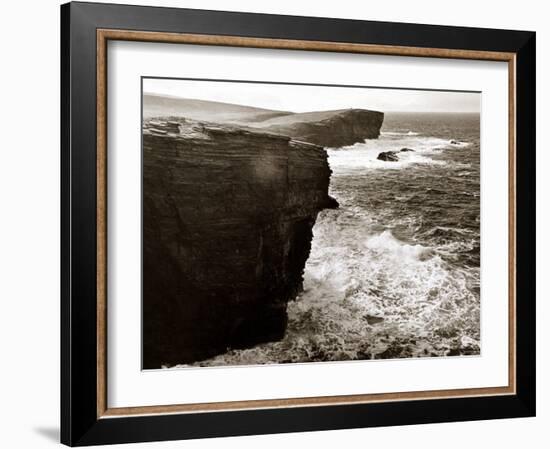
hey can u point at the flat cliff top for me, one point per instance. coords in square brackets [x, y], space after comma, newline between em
[309, 117]
[159, 106]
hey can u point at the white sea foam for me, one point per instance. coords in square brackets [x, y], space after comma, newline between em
[398, 133]
[352, 275]
[393, 249]
[364, 155]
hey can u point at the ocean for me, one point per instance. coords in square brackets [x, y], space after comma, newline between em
[394, 272]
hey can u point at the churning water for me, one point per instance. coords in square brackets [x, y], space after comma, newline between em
[394, 272]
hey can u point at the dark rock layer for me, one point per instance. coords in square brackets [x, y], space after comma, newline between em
[227, 229]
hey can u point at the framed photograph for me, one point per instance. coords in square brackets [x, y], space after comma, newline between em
[283, 224]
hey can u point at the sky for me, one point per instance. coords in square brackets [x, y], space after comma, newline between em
[304, 98]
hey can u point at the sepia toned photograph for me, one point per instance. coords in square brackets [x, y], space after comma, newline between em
[295, 223]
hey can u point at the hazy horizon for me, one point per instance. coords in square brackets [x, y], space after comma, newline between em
[309, 98]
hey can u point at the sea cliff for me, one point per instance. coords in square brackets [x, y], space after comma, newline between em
[335, 128]
[227, 228]
[328, 128]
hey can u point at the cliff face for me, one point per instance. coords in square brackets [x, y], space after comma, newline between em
[227, 229]
[328, 128]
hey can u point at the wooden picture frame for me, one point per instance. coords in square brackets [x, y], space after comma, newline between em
[85, 418]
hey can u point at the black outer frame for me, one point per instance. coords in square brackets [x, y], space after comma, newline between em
[79, 422]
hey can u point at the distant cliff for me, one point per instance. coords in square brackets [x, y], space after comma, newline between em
[227, 229]
[326, 128]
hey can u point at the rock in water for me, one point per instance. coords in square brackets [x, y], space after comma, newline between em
[406, 150]
[371, 319]
[388, 156]
[227, 229]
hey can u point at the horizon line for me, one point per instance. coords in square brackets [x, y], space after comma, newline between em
[305, 112]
